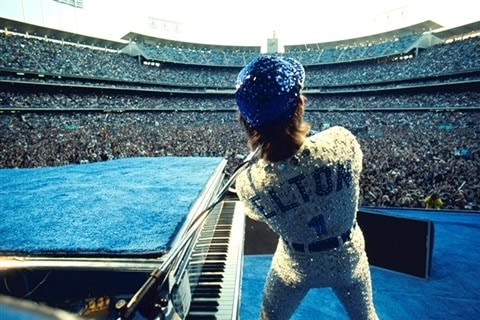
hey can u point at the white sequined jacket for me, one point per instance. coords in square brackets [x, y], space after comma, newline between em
[311, 196]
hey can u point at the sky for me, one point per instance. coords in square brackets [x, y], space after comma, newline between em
[246, 22]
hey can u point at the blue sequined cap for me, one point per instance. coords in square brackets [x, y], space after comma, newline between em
[268, 89]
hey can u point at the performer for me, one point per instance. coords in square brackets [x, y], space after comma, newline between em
[306, 188]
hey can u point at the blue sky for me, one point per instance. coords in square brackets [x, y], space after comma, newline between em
[246, 22]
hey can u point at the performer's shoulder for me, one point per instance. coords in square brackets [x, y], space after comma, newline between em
[335, 132]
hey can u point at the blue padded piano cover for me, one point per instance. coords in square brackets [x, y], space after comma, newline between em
[130, 206]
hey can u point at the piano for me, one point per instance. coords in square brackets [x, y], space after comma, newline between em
[204, 281]
[216, 263]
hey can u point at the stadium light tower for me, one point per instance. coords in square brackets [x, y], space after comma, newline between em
[272, 44]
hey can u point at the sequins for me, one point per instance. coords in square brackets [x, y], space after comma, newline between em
[268, 90]
[334, 269]
[306, 152]
[310, 199]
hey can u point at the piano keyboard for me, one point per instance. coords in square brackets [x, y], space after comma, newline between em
[216, 263]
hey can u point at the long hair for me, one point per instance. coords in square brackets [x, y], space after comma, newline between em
[278, 142]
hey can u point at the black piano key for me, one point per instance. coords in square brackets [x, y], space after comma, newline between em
[205, 294]
[200, 316]
[204, 305]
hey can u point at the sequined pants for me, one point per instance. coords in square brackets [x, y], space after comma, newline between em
[346, 271]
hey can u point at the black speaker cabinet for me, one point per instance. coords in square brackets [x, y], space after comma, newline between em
[398, 243]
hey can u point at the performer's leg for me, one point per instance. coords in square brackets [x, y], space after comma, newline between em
[280, 299]
[357, 299]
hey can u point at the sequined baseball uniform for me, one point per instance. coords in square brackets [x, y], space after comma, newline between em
[305, 199]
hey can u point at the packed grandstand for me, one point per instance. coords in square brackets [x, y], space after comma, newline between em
[411, 96]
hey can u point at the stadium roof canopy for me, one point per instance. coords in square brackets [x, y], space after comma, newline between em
[456, 32]
[141, 38]
[418, 29]
[39, 31]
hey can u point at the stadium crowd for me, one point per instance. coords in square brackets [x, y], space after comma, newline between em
[407, 155]
[134, 101]
[41, 56]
